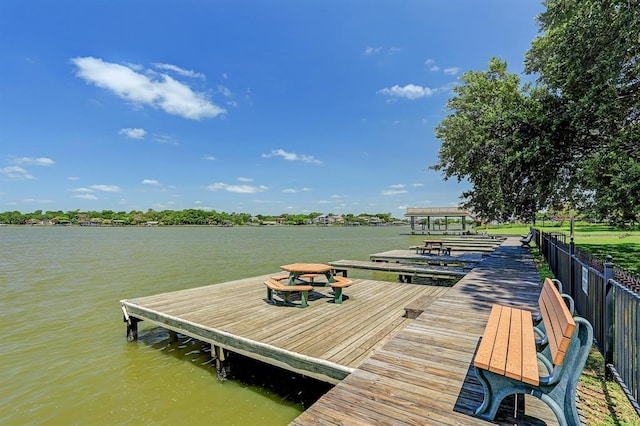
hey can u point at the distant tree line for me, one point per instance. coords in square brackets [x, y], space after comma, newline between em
[571, 139]
[184, 217]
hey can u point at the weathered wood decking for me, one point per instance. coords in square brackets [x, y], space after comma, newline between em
[424, 374]
[389, 369]
[324, 340]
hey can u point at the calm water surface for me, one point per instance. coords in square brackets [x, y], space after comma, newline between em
[64, 358]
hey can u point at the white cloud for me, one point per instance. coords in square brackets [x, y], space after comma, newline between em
[33, 200]
[150, 182]
[434, 68]
[239, 189]
[180, 71]
[372, 50]
[86, 196]
[397, 186]
[166, 93]
[106, 188]
[31, 161]
[394, 191]
[452, 70]
[290, 191]
[133, 133]
[416, 185]
[410, 91]
[16, 172]
[245, 179]
[209, 158]
[429, 62]
[165, 140]
[290, 156]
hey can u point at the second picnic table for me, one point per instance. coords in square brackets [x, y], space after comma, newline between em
[433, 244]
[298, 270]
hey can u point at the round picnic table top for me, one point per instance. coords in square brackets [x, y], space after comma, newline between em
[307, 268]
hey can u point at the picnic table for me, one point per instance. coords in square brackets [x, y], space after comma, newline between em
[308, 271]
[433, 244]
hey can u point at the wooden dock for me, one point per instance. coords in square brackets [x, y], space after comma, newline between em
[324, 341]
[388, 369]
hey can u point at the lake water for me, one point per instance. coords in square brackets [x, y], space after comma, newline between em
[64, 357]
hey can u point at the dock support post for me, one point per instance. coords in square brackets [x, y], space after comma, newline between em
[222, 365]
[132, 329]
[132, 325]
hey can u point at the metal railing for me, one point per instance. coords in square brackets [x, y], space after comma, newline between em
[608, 298]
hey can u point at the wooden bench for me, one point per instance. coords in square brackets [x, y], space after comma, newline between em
[526, 240]
[507, 363]
[337, 286]
[286, 290]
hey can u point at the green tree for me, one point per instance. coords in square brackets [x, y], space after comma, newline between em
[588, 56]
[508, 141]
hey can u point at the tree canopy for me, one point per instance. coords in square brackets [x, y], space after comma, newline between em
[569, 139]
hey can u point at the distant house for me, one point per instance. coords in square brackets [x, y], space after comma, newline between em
[327, 219]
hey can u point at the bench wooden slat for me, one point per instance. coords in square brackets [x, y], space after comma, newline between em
[529, 363]
[483, 355]
[513, 367]
[558, 322]
[501, 346]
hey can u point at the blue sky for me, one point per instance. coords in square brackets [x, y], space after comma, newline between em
[239, 106]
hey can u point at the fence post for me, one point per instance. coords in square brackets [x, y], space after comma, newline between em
[572, 264]
[608, 312]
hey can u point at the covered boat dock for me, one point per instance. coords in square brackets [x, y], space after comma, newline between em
[437, 219]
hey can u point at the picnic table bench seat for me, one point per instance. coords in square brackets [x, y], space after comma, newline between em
[337, 286]
[280, 277]
[286, 290]
[506, 362]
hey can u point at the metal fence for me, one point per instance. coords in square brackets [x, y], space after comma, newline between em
[608, 298]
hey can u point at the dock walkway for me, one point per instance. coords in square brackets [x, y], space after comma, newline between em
[403, 269]
[424, 374]
[410, 256]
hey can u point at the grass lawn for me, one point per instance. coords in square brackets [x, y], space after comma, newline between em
[599, 240]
